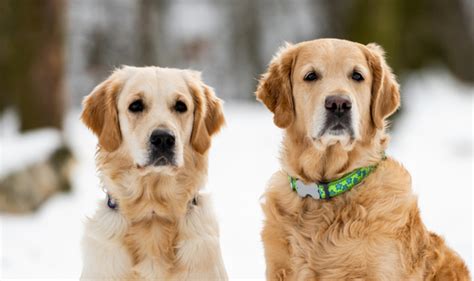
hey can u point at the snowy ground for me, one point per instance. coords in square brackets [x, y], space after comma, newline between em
[433, 139]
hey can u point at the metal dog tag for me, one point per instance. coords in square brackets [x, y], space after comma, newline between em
[304, 190]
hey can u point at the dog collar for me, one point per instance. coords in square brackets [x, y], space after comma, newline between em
[112, 203]
[328, 190]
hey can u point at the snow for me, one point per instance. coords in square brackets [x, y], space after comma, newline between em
[24, 149]
[433, 139]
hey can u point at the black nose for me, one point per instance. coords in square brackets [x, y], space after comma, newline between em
[162, 139]
[338, 104]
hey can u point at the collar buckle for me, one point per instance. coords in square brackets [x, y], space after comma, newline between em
[111, 203]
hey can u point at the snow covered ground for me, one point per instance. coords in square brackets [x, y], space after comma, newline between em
[433, 139]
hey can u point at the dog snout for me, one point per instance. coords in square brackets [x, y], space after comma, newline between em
[162, 140]
[339, 105]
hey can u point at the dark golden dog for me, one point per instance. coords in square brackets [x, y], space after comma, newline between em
[332, 97]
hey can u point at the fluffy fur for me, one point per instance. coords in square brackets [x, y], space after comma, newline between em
[158, 232]
[373, 232]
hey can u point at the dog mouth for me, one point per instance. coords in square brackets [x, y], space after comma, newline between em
[337, 126]
[159, 161]
[162, 161]
[336, 129]
[333, 133]
[339, 129]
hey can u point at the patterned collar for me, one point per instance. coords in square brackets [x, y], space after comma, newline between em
[328, 190]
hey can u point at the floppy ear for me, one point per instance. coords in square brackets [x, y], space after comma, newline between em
[100, 112]
[275, 88]
[385, 89]
[208, 115]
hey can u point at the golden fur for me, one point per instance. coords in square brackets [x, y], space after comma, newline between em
[373, 232]
[157, 233]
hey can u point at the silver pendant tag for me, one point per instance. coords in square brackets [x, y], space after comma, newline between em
[304, 190]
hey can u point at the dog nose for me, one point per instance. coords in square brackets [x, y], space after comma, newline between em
[338, 104]
[162, 139]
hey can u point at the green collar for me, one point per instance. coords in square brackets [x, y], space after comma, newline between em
[328, 190]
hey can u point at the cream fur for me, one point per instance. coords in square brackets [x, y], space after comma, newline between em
[106, 258]
[157, 232]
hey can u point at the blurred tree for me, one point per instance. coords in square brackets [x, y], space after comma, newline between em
[32, 63]
[245, 59]
[150, 25]
[415, 34]
[31, 58]
[136, 38]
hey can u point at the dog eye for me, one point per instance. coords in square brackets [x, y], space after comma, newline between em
[357, 76]
[311, 76]
[136, 106]
[180, 107]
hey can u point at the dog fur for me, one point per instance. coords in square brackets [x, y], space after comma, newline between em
[373, 232]
[164, 227]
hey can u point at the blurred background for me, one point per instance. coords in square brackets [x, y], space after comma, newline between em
[53, 52]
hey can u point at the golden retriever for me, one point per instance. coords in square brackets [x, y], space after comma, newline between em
[332, 98]
[154, 127]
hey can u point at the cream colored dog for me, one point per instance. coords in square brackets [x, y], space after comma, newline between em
[154, 127]
[361, 219]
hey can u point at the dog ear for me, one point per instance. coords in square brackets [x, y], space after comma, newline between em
[385, 89]
[208, 115]
[275, 87]
[100, 112]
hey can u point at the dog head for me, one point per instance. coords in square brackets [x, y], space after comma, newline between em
[332, 91]
[151, 114]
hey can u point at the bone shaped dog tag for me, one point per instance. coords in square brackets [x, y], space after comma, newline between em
[305, 190]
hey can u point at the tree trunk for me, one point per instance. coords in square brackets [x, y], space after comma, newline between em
[246, 60]
[31, 55]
